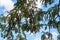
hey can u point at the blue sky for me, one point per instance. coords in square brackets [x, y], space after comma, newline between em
[7, 5]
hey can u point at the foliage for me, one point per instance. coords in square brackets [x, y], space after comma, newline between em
[27, 9]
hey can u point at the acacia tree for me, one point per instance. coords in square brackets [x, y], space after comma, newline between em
[32, 15]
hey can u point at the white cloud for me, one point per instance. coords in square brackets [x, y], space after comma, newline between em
[54, 35]
[7, 4]
[37, 38]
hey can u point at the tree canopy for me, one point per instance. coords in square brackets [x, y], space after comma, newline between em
[33, 16]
